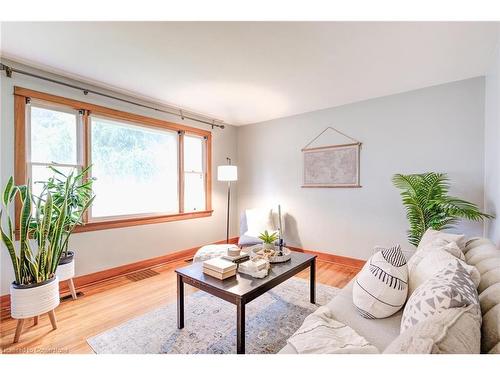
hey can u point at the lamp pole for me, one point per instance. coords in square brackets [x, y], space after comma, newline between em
[227, 173]
[228, 204]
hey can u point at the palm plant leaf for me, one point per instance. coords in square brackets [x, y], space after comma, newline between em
[427, 204]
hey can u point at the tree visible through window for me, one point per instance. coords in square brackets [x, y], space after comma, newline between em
[139, 164]
[53, 142]
[135, 167]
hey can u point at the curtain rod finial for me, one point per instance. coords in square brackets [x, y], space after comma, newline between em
[8, 70]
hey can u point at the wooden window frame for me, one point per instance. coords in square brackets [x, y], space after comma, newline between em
[21, 97]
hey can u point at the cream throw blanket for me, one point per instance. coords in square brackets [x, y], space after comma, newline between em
[322, 334]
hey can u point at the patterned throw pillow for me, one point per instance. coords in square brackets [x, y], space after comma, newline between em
[453, 331]
[433, 262]
[381, 286]
[449, 288]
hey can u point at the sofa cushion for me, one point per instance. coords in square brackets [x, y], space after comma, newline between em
[477, 255]
[449, 288]
[495, 349]
[438, 244]
[453, 331]
[381, 286]
[489, 298]
[488, 264]
[431, 235]
[485, 256]
[378, 332]
[431, 263]
[490, 329]
[474, 242]
[488, 279]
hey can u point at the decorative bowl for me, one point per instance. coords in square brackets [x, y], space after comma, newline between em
[258, 250]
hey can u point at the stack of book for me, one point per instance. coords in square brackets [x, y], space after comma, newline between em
[256, 267]
[219, 268]
[237, 258]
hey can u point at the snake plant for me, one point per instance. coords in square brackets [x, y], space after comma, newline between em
[80, 197]
[44, 229]
[36, 229]
[428, 205]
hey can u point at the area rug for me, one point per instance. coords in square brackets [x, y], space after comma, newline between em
[210, 324]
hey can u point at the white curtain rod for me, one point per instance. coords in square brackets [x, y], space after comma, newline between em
[9, 70]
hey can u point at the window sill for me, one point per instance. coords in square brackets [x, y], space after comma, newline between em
[130, 222]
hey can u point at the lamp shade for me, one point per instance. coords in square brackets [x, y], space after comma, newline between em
[227, 173]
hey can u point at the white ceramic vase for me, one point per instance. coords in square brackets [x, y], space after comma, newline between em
[32, 300]
[66, 271]
[268, 246]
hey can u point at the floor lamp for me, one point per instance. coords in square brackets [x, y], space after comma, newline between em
[227, 173]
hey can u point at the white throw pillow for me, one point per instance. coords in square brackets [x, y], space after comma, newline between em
[258, 221]
[431, 235]
[381, 287]
[450, 288]
[437, 244]
[432, 258]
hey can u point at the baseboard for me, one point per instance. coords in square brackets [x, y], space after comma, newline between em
[92, 278]
[332, 258]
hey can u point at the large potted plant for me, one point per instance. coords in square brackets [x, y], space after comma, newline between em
[80, 197]
[428, 205]
[36, 255]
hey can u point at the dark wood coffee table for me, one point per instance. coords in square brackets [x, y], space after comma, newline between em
[241, 289]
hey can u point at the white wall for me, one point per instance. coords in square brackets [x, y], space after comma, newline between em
[491, 147]
[440, 128]
[104, 249]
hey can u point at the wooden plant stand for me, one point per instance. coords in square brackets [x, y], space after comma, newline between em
[20, 324]
[72, 289]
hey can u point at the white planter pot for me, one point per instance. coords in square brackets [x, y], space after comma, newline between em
[34, 300]
[66, 271]
[268, 246]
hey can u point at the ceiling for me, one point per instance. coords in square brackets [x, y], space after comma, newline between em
[248, 72]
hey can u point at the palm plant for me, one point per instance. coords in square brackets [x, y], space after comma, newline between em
[428, 205]
[268, 238]
[80, 197]
[45, 227]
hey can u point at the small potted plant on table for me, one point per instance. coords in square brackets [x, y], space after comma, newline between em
[268, 240]
[35, 290]
[80, 197]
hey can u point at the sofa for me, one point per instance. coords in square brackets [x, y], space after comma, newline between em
[479, 252]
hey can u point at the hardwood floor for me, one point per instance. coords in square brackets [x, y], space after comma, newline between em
[109, 303]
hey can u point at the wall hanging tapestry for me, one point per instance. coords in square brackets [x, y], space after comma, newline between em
[332, 166]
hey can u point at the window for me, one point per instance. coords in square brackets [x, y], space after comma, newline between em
[194, 173]
[146, 170]
[53, 141]
[136, 165]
